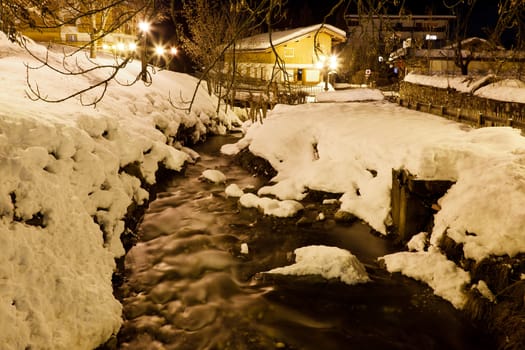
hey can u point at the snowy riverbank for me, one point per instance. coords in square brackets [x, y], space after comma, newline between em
[65, 191]
[65, 186]
[351, 148]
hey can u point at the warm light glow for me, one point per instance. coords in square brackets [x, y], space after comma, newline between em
[105, 47]
[320, 63]
[173, 51]
[144, 26]
[121, 47]
[333, 62]
[159, 50]
[132, 46]
[327, 62]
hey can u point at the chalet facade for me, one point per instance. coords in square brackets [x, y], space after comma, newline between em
[421, 31]
[303, 52]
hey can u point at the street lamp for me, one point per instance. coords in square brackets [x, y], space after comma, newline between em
[144, 28]
[165, 55]
[327, 66]
[159, 50]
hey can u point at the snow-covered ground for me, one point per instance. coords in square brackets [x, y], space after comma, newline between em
[351, 148]
[61, 165]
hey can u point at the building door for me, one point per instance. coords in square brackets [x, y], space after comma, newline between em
[300, 74]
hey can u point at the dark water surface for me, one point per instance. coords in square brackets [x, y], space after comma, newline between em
[189, 286]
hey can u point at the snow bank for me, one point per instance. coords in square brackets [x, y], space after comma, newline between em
[328, 262]
[510, 90]
[433, 268]
[351, 148]
[61, 167]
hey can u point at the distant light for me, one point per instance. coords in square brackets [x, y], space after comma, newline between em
[431, 37]
[159, 50]
[173, 51]
[121, 47]
[105, 47]
[144, 26]
[132, 46]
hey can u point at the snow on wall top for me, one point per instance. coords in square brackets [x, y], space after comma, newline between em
[508, 90]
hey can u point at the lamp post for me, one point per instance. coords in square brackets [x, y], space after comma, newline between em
[327, 66]
[144, 28]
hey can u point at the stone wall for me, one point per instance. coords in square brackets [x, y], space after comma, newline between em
[460, 106]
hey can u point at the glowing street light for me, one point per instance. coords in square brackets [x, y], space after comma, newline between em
[333, 62]
[327, 66]
[121, 47]
[165, 54]
[159, 50]
[144, 26]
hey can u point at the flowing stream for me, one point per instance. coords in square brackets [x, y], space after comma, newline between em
[189, 286]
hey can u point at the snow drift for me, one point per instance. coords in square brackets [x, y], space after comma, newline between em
[64, 190]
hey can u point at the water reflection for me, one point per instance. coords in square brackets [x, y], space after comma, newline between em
[190, 287]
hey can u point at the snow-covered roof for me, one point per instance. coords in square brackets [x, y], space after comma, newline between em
[474, 42]
[262, 41]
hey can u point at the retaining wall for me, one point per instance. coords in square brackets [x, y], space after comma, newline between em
[460, 106]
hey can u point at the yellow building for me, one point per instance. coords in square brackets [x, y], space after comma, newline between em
[305, 52]
[78, 32]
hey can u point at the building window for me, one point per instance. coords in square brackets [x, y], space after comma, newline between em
[289, 52]
[71, 37]
[312, 75]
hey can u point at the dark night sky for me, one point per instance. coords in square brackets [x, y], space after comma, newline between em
[300, 13]
[306, 12]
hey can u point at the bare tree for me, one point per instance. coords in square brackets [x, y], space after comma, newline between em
[374, 36]
[210, 25]
[511, 19]
[214, 29]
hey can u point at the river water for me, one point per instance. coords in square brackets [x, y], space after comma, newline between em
[189, 286]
